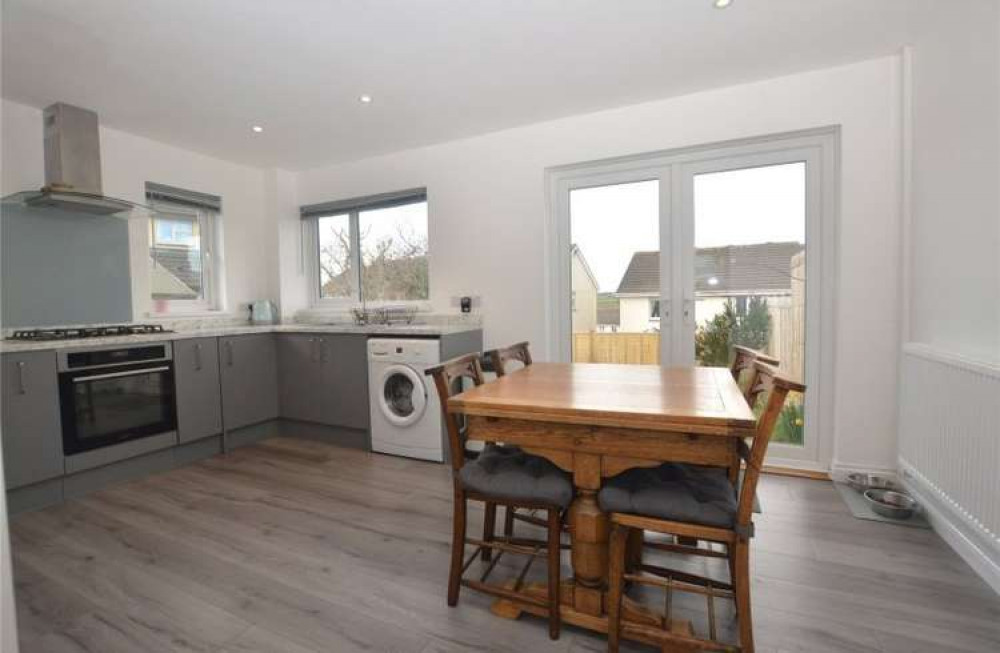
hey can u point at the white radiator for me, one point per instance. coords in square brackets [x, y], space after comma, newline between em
[949, 449]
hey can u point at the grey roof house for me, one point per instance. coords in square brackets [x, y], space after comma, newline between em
[729, 271]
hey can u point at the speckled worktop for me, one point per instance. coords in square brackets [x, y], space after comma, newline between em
[399, 330]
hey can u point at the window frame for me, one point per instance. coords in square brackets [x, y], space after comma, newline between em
[312, 244]
[209, 223]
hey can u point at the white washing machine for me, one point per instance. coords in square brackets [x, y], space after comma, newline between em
[405, 412]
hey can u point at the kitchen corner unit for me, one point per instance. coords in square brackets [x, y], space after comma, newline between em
[229, 387]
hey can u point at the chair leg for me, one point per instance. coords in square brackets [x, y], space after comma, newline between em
[508, 521]
[740, 555]
[457, 547]
[554, 551]
[489, 529]
[616, 571]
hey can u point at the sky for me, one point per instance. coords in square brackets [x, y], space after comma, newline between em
[739, 207]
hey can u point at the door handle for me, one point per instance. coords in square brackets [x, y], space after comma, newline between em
[21, 389]
[119, 375]
[688, 310]
[197, 357]
[229, 353]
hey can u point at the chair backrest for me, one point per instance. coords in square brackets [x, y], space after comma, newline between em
[500, 357]
[743, 360]
[765, 380]
[448, 378]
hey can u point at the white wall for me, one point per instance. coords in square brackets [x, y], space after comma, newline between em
[488, 210]
[955, 229]
[127, 163]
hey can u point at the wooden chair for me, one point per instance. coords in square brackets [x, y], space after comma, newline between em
[499, 358]
[500, 476]
[743, 361]
[726, 518]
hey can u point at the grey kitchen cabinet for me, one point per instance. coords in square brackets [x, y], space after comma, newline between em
[199, 395]
[249, 373]
[324, 378]
[299, 377]
[32, 426]
[344, 387]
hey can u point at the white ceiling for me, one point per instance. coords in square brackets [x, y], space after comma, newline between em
[198, 74]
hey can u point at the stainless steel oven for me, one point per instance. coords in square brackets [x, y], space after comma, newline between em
[114, 394]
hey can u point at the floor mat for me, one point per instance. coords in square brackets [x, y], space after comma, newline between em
[859, 508]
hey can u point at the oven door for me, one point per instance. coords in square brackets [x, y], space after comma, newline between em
[115, 404]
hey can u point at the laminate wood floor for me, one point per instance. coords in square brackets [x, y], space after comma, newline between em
[292, 546]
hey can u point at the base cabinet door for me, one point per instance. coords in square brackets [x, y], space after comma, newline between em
[199, 396]
[344, 399]
[249, 372]
[32, 427]
[299, 377]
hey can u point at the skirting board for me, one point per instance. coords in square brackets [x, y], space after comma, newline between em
[984, 559]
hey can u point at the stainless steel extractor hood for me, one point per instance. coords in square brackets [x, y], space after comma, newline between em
[72, 167]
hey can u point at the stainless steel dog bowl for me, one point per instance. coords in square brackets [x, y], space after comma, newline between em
[894, 505]
[862, 482]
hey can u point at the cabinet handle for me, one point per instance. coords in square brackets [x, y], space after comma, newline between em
[197, 357]
[229, 352]
[21, 389]
[315, 349]
[322, 350]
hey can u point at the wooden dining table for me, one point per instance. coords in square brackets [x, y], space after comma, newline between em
[598, 420]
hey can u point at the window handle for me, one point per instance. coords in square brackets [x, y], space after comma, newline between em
[21, 389]
[197, 357]
[688, 309]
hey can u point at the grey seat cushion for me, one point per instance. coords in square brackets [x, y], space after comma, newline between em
[509, 473]
[673, 491]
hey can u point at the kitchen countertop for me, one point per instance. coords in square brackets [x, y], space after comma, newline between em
[398, 330]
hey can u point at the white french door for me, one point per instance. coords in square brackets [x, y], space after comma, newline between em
[673, 258]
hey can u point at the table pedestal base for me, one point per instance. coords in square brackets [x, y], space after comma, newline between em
[632, 612]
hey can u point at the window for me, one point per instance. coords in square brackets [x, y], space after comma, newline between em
[182, 274]
[371, 249]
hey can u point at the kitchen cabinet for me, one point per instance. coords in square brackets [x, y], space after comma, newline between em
[344, 388]
[249, 374]
[324, 378]
[199, 396]
[32, 427]
[299, 377]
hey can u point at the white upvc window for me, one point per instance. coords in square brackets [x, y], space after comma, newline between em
[184, 265]
[370, 253]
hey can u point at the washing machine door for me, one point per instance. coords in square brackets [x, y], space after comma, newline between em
[402, 396]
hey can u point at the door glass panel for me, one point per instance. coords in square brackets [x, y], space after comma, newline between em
[118, 405]
[398, 393]
[749, 276]
[615, 273]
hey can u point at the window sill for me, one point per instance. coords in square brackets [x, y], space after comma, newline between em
[192, 314]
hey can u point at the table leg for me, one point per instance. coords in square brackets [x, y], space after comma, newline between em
[590, 531]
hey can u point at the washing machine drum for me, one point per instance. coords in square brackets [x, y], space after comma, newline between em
[403, 398]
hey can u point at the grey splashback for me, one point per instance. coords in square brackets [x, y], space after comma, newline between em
[59, 267]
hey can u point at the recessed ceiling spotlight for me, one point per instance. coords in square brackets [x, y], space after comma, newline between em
[713, 281]
[722, 4]
[257, 129]
[365, 99]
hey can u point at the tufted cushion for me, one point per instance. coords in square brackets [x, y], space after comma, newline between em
[509, 473]
[684, 493]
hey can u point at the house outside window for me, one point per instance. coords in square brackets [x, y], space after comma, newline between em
[184, 265]
[371, 250]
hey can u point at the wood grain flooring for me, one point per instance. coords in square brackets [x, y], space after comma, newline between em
[292, 546]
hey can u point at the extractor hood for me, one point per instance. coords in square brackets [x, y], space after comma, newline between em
[72, 167]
